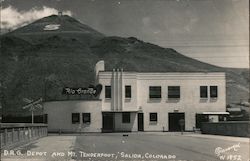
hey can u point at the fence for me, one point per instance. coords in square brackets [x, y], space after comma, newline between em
[230, 128]
[17, 133]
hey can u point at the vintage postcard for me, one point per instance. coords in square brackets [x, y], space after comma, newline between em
[124, 80]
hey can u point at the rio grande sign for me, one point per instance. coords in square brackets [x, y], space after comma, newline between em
[91, 90]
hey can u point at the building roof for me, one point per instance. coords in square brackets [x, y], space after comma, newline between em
[214, 113]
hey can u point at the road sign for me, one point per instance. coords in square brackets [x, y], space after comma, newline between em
[32, 105]
[27, 100]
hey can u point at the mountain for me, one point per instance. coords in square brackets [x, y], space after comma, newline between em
[39, 59]
[64, 24]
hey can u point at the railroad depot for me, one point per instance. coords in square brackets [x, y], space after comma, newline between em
[141, 101]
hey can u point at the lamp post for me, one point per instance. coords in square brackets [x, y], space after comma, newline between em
[44, 97]
[1, 108]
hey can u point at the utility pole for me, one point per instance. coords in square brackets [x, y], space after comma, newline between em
[32, 115]
[45, 90]
[1, 109]
[2, 101]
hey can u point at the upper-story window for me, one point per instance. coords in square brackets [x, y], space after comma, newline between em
[75, 118]
[107, 91]
[155, 92]
[127, 91]
[203, 91]
[173, 91]
[213, 91]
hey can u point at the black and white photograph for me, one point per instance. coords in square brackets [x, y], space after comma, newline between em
[124, 80]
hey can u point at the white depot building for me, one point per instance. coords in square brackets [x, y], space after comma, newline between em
[142, 101]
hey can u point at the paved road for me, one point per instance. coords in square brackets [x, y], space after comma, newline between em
[137, 147]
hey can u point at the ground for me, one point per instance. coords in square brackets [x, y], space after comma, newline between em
[132, 146]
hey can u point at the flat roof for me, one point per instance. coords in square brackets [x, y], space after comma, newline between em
[71, 100]
[122, 111]
[214, 113]
[151, 72]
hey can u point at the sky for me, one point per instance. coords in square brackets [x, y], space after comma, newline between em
[213, 31]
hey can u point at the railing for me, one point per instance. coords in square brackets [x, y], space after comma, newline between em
[230, 128]
[17, 133]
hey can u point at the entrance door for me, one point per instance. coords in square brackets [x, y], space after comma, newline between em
[140, 122]
[174, 121]
[107, 122]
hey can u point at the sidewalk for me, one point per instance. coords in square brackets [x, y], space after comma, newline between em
[220, 137]
[186, 134]
[42, 149]
[189, 134]
[198, 135]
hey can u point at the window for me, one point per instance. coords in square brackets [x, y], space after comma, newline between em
[174, 92]
[75, 118]
[107, 91]
[125, 117]
[86, 118]
[153, 116]
[155, 92]
[203, 91]
[127, 91]
[213, 92]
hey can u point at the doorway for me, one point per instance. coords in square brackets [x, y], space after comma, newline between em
[107, 122]
[140, 122]
[174, 121]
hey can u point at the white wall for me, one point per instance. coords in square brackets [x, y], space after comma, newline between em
[189, 101]
[132, 126]
[60, 115]
[105, 78]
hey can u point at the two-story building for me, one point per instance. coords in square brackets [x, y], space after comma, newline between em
[143, 101]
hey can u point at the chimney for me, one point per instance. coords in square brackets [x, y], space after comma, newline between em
[99, 67]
